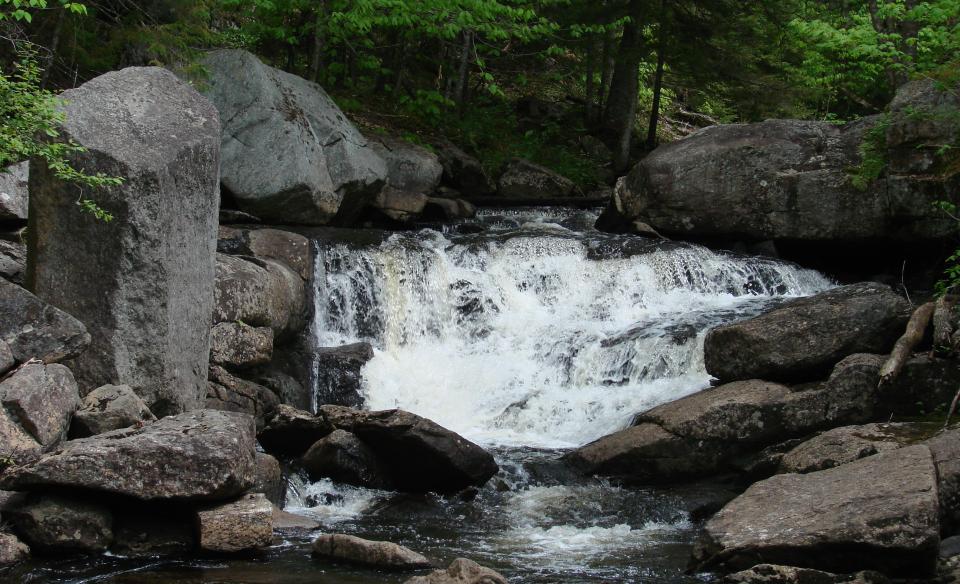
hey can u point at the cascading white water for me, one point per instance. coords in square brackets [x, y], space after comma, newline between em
[534, 338]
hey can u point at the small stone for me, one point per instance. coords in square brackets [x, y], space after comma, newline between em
[381, 554]
[109, 407]
[461, 571]
[12, 550]
[244, 525]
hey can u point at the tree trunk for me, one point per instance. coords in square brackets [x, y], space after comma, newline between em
[54, 45]
[590, 85]
[658, 79]
[621, 107]
[460, 90]
[316, 63]
[906, 343]
[608, 60]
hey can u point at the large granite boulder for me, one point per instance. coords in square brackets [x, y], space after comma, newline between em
[380, 554]
[239, 345]
[790, 180]
[58, 523]
[244, 525]
[34, 329]
[109, 407]
[878, 513]
[143, 282]
[229, 393]
[43, 399]
[522, 179]
[14, 194]
[460, 571]
[410, 168]
[803, 339]
[293, 249]
[842, 445]
[204, 455]
[921, 122]
[259, 293]
[291, 431]
[289, 154]
[343, 457]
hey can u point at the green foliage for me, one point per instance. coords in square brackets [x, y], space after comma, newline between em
[23, 10]
[951, 274]
[873, 155]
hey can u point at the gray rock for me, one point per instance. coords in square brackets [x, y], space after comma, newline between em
[460, 571]
[448, 209]
[142, 283]
[12, 550]
[229, 393]
[57, 523]
[289, 153]
[878, 513]
[918, 126]
[14, 194]
[843, 445]
[773, 574]
[43, 399]
[341, 456]
[109, 407]
[803, 339]
[259, 293]
[291, 523]
[284, 386]
[240, 345]
[924, 384]
[292, 249]
[950, 547]
[36, 330]
[399, 206]
[418, 454]
[152, 530]
[16, 445]
[381, 554]
[410, 168]
[464, 172]
[269, 479]
[244, 525]
[339, 373]
[291, 431]
[778, 179]
[522, 179]
[13, 261]
[6, 358]
[945, 448]
[204, 455]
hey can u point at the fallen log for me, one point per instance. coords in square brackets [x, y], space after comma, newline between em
[943, 329]
[904, 346]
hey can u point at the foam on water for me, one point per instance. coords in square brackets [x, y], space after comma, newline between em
[527, 339]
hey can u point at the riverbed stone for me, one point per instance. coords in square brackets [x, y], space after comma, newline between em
[240, 345]
[343, 457]
[460, 571]
[142, 283]
[109, 407]
[43, 399]
[268, 478]
[14, 192]
[291, 431]
[259, 293]
[803, 339]
[400, 206]
[16, 445]
[289, 153]
[419, 454]
[842, 445]
[945, 448]
[13, 261]
[355, 550]
[522, 179]
[6, 358]
[230, 393]
[339, 373]
[244, 525]
[34, 329]
[59, 523]
[773, 574]
[12, 550]
[410, 168]
[203, 455]
[878, 513]
[288, 247]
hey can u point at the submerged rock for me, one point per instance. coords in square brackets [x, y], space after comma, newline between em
[205, 455]
[143, 282]
[34, 329]
[244, 525]
[110, 407]
[380, 554]
[879, 513]
[43, 399]
[461, 571]
[57, 523]
[289, 153]
[803, 339]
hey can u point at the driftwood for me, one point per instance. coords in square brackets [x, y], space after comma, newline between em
[905, 344]
[943, 329]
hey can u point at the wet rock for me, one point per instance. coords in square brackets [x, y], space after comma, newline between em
[43, 399]
[339, 377]
[235, 216]
[229, 393]
[341, 456]
[13, 261]
[522, 179]
[464, 172]
[945, 448]
[448, 209]
[153, 530]
[292, 249]
[843, 445]
[268, 478]
[410, 168]
[283, 385]
[400, 206]
[142, 283]
[240, 345]
[381, 554]
[110, 407]
[34, 329]
[204, 455]
[244, 525]
[461, 571]
[291, 431]
[878, 513]
[772, 574]
[259, 293]
[289, 153]
[12, 550]
[14, 193]
[290, 522]
[57, 523]
[419, 454]
[805, 338]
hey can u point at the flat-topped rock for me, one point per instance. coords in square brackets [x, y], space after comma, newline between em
[204, 455]
[109, 407]
[842, 445]
[355, 550]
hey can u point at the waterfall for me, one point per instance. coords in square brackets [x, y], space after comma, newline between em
[537, 336]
